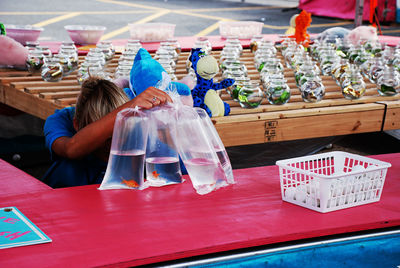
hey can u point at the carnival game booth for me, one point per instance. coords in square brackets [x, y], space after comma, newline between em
[385, 11]
[304, 198]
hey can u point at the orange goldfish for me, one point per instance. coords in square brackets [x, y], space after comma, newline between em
[155, 174]
[131, 183]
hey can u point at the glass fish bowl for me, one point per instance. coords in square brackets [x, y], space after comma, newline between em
[203, 43]
[266, 78]
[175, 44]
[166, 50]
[234, 69]
[250, 95]
[272, 64]
[255, 42]
[353, 86]
[327, 62]
[234, 42]
[389, 82]
[234, 89]
[338, 69]
[312, 90]
[133, 45]
[107, 50]
[278, 92]
[375, 69]
[122, 71]
[261, 58]
[52, 71]
[35, 61]
[65, 63]
[89, 68]
[304, 70]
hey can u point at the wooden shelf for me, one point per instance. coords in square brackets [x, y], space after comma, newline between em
[334, 115]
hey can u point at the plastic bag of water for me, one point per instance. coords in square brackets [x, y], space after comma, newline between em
[162, 160]
[125, 169]
[217, 144]
[198, 153]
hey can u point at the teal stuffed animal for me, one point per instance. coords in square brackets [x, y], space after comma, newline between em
[147, 72]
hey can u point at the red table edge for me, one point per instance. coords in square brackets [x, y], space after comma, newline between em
[263, 241]
[187, 42]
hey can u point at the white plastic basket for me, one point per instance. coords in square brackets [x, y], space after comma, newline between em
[152, 32]
[332, 181]
[85, 34]
[240, 29]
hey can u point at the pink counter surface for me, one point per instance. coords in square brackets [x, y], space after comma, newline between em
[14, 181]
[120, 228]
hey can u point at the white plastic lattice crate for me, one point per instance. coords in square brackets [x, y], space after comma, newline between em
[332, 181]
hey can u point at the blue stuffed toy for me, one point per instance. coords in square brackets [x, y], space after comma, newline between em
[147, 72]
[206, 67]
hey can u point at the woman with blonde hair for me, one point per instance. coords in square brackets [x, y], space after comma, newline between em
[79, 138]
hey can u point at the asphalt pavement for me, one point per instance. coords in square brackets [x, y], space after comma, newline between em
[199, 18]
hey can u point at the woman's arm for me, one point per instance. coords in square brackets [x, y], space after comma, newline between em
[94, 135]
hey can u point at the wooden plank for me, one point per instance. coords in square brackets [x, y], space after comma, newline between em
[328, 125]
[12, 73]
[268, 115]
[242, 133]
[59, 95]
[37, 90]
[22, 85]
[392, 117]
[392, 103]
[7, 80]
[300, 127]
[29, 103]
[65, 101]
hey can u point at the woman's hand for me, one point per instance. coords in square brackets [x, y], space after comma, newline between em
[94, 135]
[149, 98]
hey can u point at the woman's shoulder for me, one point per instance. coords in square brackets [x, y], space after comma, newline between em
[65, 111]
[61, 119]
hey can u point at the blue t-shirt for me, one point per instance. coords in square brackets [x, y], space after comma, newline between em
[69, 172]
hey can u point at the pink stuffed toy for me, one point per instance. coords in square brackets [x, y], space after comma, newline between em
[365, 33]
[13, 54]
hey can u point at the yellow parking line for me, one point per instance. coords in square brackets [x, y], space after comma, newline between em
[230, 9]
[131, 4]
[200, 15]
[311, 26]
[118, 12]
[57, 19]
[275, 27]
[115, 33]
[18, 13]
[208, 29]
[331, 24]
[213, 27]
[126, 28]
[82, 12]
